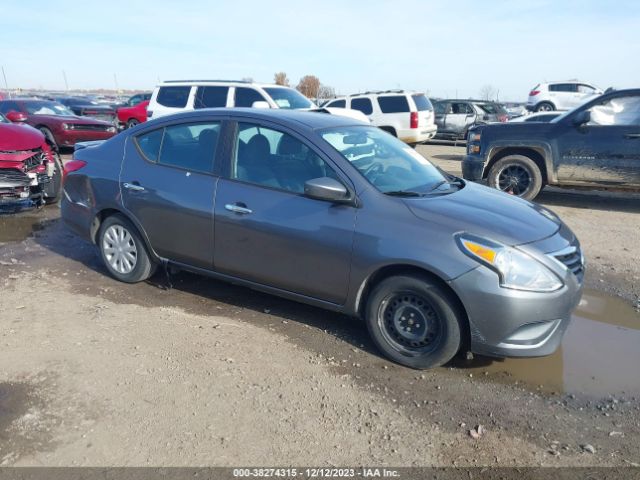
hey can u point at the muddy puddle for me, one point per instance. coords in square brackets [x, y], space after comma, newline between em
[17, 226]
[599, 356]
[15, 400]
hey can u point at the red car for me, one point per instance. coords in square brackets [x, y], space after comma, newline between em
[30, 171]
[129, 117]
[59, 124]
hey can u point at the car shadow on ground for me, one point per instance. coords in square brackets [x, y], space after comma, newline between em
[201, 295]
[591, 200]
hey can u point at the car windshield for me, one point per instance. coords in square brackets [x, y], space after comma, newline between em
[47, 108]
[289, 98]
[389, 164]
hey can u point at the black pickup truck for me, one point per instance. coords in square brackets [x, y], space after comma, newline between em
[595, 145]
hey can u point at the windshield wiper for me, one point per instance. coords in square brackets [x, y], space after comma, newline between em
[403, 193]
[455, 181]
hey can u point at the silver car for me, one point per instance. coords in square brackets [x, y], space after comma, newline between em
[335, 213]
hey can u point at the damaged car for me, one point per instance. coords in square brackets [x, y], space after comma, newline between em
[30, 169]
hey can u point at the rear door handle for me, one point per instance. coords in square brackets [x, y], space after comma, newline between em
[632, 135]
[234, 207]
[133, 187]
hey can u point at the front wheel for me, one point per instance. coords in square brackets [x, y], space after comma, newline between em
[414, 321]
[53, 188]
[123, 251]
[517, 175]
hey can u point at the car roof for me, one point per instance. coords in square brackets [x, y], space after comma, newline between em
[240, 83]
[310, 119]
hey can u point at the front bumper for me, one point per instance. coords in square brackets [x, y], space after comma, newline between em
[472, 168]
[514, 323]
[69, 138]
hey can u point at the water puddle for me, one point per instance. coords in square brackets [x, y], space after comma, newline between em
[14, 402]
[599, 356]
[16, 227]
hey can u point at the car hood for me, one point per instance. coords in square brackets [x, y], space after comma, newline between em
[19, 137]
[488, 213]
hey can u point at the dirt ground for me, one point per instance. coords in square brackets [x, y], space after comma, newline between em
[95, 372]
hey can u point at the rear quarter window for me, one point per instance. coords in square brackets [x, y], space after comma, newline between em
[175, 97]
[422, 103]
[393, 104]
[211, 97]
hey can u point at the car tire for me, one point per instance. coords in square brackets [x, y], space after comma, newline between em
[49, 136]
[517, 175]
[53, 189]
[545, 107]
[132, 122]
[123, 251]
[414, 302]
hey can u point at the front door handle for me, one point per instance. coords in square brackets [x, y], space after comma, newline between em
[133, 186]
[632, 135]
[234, 207]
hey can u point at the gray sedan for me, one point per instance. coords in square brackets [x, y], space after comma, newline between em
[335, 213]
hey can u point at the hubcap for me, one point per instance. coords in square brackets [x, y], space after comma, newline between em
[119, 249]
[410, 323]
[514, 179]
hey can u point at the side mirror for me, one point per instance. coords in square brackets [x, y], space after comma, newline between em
[16, 117]
[327, 189]
[260, 104]
[582, 118]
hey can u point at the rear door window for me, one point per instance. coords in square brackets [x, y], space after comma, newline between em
[362, 104]
[191, 146]
[149, 144]
[393, 104]
[175, 97]
[211, 97]
[422, 103]
[563, 87]
[245, 97]
[461, 108]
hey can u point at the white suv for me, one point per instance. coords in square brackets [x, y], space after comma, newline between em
[179, 95]
[546, 97]
[407, 115]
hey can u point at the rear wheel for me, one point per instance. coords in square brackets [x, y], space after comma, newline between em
[414, 321]
[390, 130]
[132, 122]
[123, 252]
[54, 187]
[517, 175]
[545, 107]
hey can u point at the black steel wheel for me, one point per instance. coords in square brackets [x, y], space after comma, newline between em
[414, 321]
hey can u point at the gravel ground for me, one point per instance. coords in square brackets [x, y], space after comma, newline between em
[95, 372]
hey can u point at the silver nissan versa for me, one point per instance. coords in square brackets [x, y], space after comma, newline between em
[335, 213]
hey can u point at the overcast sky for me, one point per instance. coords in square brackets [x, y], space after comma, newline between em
[445, 48]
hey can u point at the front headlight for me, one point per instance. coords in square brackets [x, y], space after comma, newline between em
[516, 269]
[111, 129]
[65, 126]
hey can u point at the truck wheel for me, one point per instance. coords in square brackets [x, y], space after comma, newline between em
[517, 175]
[545, 107]
[123, 251]
[53, 188]
[414, 322]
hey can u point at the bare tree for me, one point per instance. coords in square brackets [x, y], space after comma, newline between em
[326, 92]
[488, 92]
[309, 86]
[280, 78]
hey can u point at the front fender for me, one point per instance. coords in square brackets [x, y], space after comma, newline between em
[539, 146]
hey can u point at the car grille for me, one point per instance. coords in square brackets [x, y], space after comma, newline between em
[38, 158]
[90, 127]
[573, 260]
